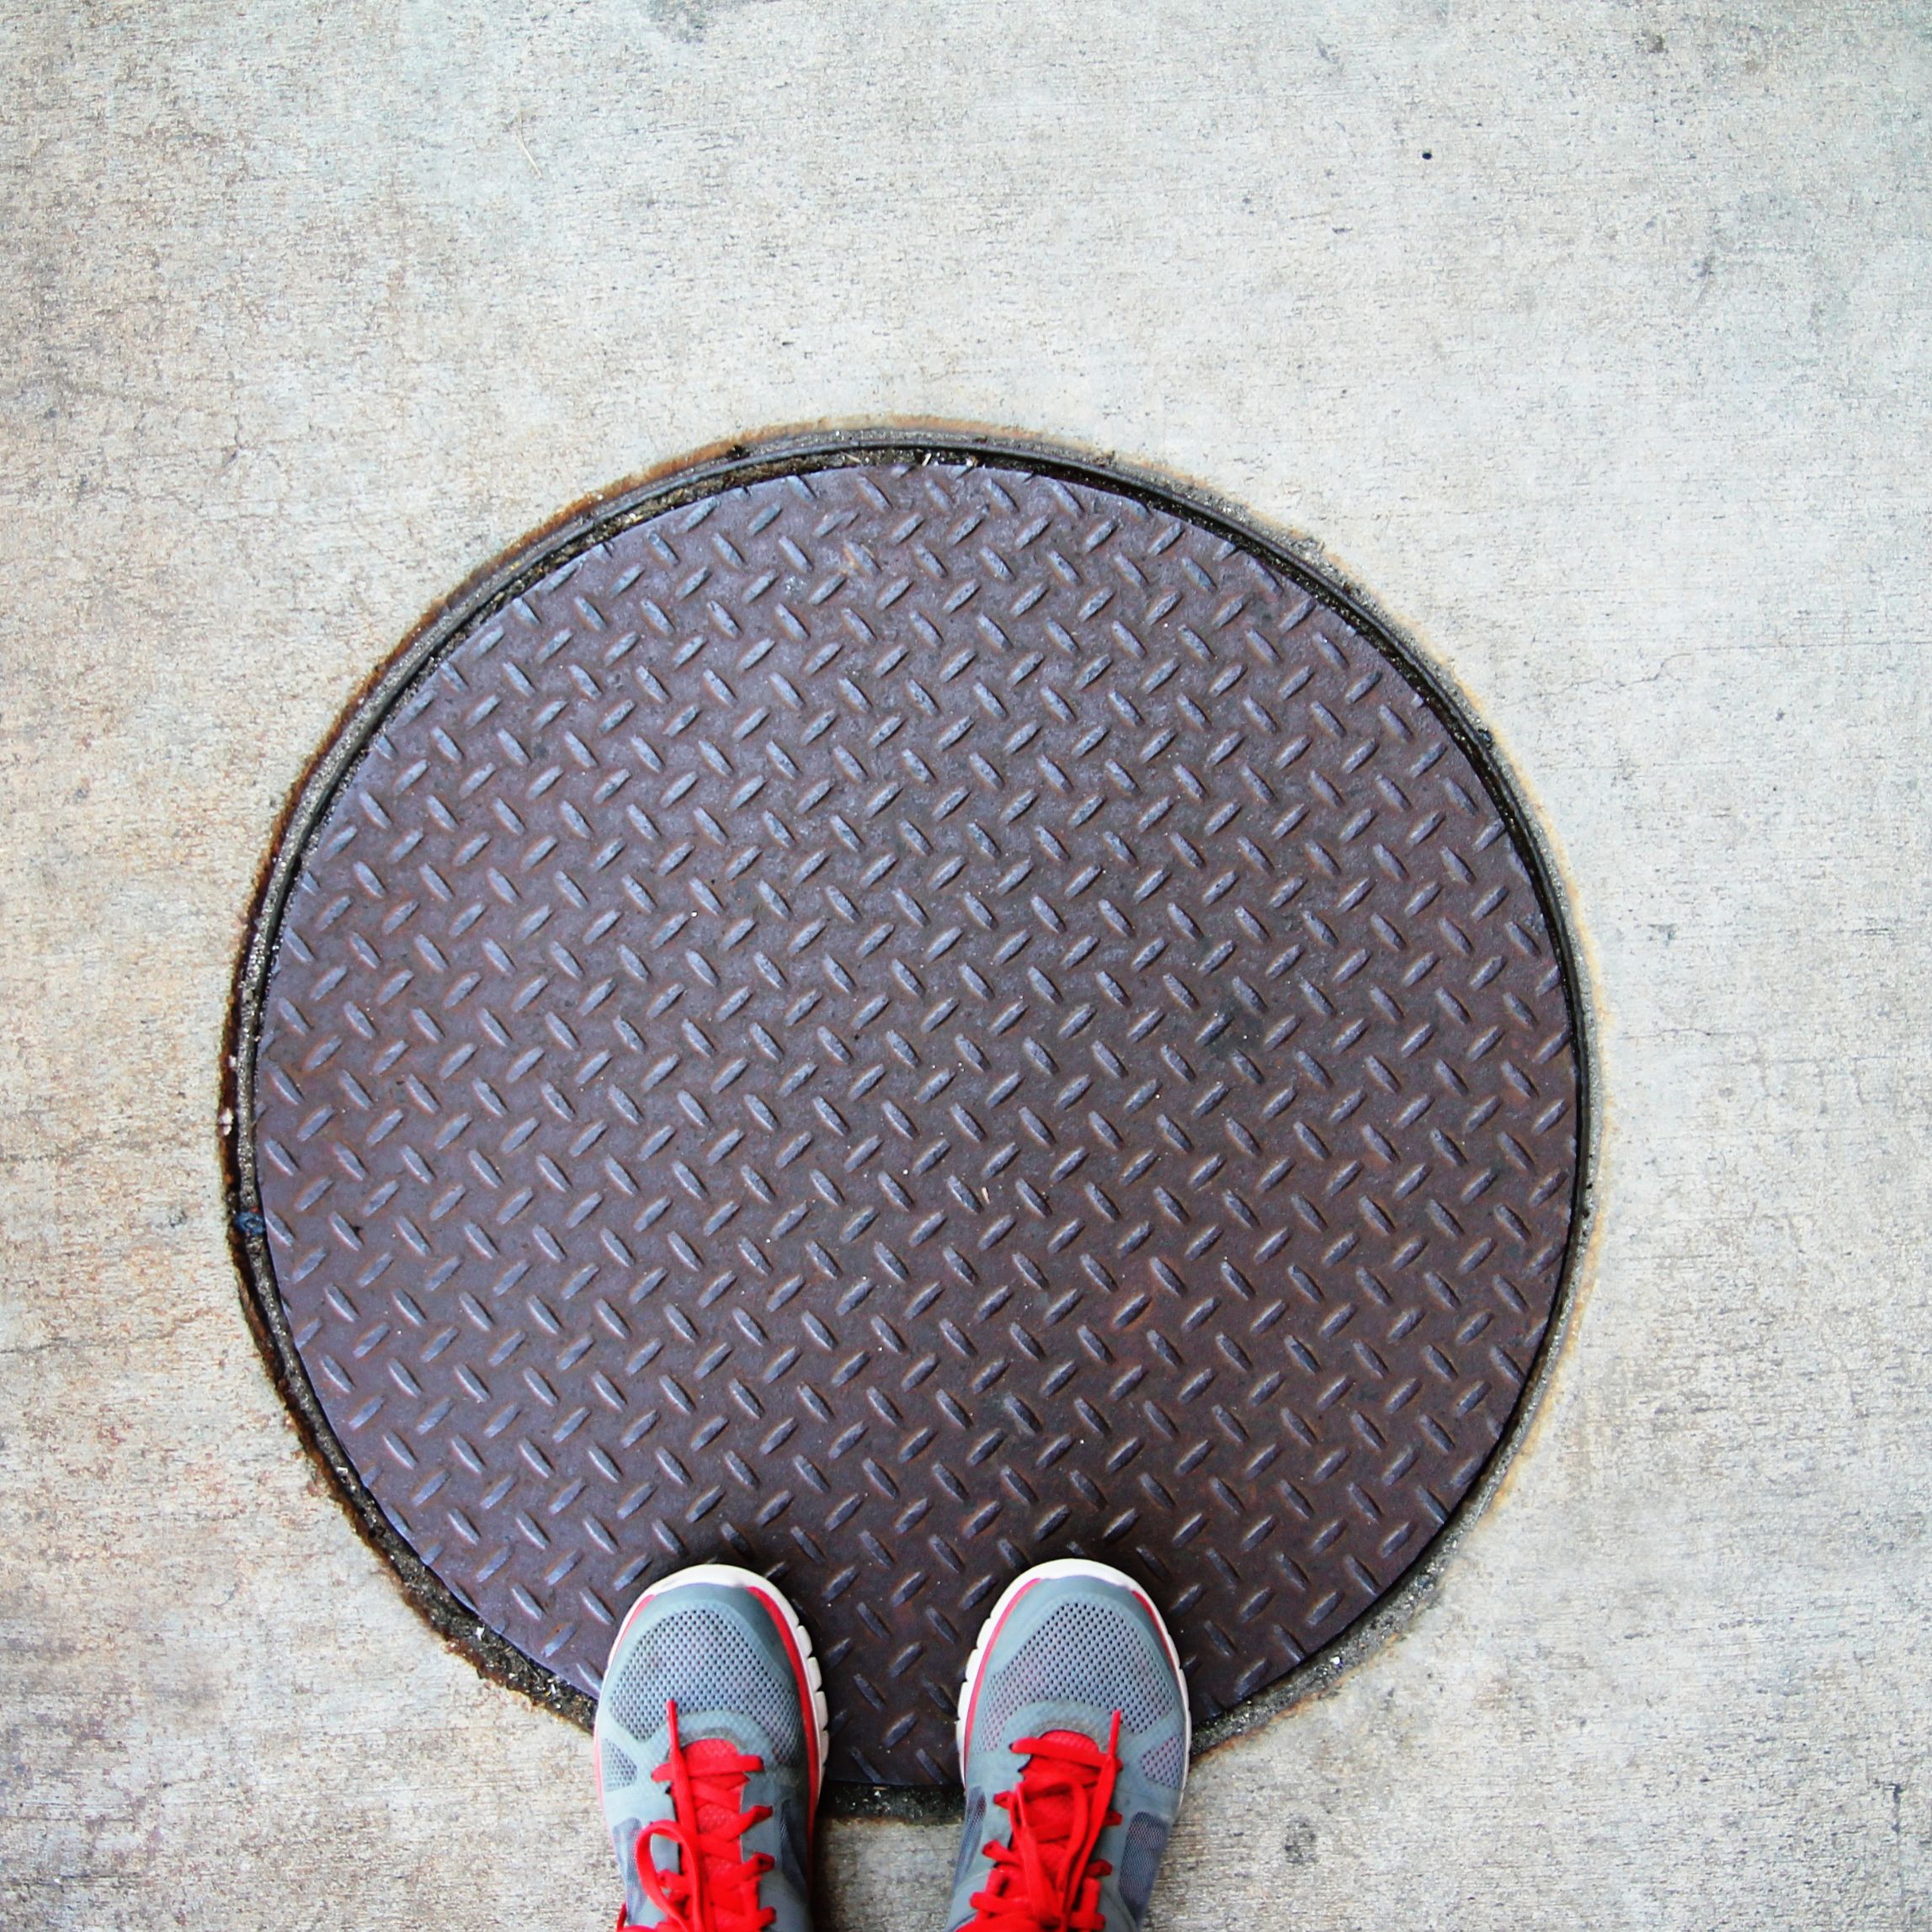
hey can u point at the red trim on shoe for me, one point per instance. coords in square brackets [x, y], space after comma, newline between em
[986, 1646]
[802, 1677]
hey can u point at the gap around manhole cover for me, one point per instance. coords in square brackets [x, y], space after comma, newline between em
[888, 1009]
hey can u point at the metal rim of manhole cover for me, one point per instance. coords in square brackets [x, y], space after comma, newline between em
[891, 1007]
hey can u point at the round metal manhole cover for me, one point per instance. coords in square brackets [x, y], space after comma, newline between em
[888, 1013]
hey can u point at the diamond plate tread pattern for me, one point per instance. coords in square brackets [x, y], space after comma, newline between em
[895, 1022]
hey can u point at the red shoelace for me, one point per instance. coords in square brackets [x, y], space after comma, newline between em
[1046, 1878]
[715, 1887]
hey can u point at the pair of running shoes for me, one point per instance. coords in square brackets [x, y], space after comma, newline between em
[1072, 1736]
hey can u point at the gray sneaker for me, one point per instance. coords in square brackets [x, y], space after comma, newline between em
[710, 1745]
[1073, 1721]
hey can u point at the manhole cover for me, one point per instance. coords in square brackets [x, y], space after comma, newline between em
[888, 1013]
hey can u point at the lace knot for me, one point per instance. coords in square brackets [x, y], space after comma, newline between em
[714, 1886]
[1046, 1878]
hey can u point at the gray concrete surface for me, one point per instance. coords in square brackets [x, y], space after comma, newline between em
[1591, 337]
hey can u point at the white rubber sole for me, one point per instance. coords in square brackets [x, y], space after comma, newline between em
[730, 1577]
[1045, 1572]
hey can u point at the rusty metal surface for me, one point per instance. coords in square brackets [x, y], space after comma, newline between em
[892, 1022]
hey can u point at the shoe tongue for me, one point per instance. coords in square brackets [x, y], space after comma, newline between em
[717, 1784]
[1052, 1812]
[1074, 1738]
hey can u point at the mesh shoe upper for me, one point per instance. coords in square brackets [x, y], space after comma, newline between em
[714, 1650]
[702, 1652]
[1072, 1646]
